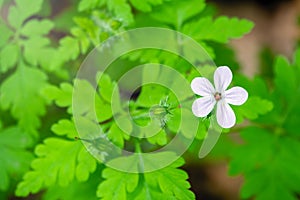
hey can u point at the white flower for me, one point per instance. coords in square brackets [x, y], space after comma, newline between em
[218, 95]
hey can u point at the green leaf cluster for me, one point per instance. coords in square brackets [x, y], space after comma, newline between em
[60, 161]
[269, 157]
[24, 50]
[38, 61]
[166, 183]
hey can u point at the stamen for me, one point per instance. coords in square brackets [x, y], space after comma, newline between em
[218, 96]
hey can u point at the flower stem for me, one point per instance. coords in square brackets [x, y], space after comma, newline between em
[138, 148]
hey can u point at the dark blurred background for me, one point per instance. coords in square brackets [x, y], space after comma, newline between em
[276, 29]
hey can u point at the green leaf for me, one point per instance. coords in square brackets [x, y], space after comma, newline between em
[84, 96]
[89, 27]
[285, 79]
[160, 138]
[254, 107]
[36, 51]
[117, 136]
[171, 181]
[103, 110]
[87, 190]
[88, 4]
[82, 38]
[166, 183]
[151, 95]
[14, 158]
[21, 93]
[65, 127]
[69, 48]
[8, 57]
[255, 87]
[122, 10]
[175, 13]
[59, 162]
[5, 35]
[146, 5]
[23, 9]
[117, 185]
[106, 87]
[220, 30]
[270, 159]
[37, 27]
[62, 95]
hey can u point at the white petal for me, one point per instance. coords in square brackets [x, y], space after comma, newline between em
[222, 78]
[236, 96]
[202, 86]
[203, 106]
[225, 115]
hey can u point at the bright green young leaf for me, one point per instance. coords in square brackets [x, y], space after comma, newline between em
[85, 96]
[69, 48]
[121, 10]
[5, 35]
[59, 162]
[106, 87]
[36, 51]
[175, 13]
[160, 138]
[88, 26]
[23, 10]
[96, 144]
[83, 39]
[172, 181]
[117, 184]
[21, 93]
[89, 4]
[103, 110]
[151, 95]
[35, 45]
[109, 92]
[117, 136]
[36, 27]
[220, 30]
[14, 158]
[146, 5]
[65, 127]
[9, 55]
[167, 183]
[62, 95]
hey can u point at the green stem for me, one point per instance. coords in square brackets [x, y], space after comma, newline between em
[138, 148]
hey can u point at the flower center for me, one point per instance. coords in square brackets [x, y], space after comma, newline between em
[217, 96]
